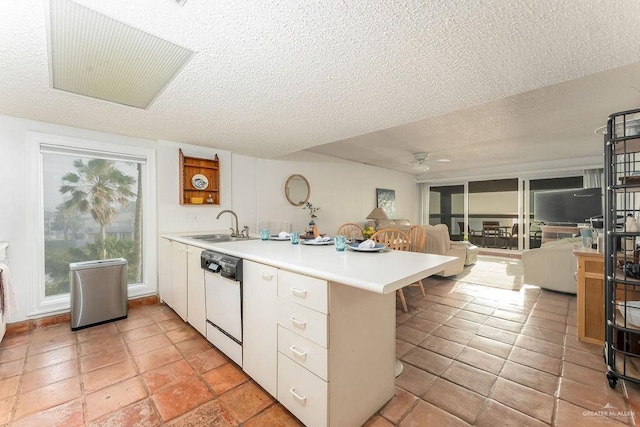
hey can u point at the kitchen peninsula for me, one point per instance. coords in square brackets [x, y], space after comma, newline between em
[319, 325]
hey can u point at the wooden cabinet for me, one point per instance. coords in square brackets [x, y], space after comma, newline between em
[259, 331]
[199, 179]
[591, 324]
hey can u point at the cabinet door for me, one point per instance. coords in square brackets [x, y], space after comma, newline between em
[259, 324]
[165, 271]
[196, 312]
[590, 299]
[179, 279]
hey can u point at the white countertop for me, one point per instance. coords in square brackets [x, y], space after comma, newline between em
[380, 272]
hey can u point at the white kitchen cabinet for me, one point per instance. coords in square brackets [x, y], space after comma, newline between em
[318, 346]
[303, 393]
[182, 282]
[165, 271]
[259, 330]
[342, 367]
[196, 307]
[178, 299]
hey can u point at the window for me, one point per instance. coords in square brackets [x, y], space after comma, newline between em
[91, 208]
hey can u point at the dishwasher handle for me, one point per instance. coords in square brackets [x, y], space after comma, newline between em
[213, 267]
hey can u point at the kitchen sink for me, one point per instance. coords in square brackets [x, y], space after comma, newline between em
[218, 238]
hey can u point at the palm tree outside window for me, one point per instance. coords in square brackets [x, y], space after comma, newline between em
[92, 211]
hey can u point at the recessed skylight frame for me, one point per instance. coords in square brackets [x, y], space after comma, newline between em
[93, 55]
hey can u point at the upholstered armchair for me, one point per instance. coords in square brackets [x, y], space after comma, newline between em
[400, 224]
[552, 266]
[439, 243]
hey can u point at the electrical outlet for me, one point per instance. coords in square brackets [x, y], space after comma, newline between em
[192, 217]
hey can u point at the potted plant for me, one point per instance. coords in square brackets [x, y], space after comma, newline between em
[312, 213]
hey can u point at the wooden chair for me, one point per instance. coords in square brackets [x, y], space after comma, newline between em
[475, 236]
[396, 240]
[392, 238]
[418, 238]
[491, 229]
[351, 230]
[511, 238]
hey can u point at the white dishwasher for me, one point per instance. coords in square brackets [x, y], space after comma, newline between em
[223, 297]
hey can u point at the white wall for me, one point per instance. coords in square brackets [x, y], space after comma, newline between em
[253, 188]
[345, 191]
[504, 202]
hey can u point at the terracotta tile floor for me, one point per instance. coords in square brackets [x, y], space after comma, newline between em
[472, 355]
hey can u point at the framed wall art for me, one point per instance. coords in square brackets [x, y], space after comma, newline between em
[386, 200]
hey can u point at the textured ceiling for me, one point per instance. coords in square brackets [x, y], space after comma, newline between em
[524, 81]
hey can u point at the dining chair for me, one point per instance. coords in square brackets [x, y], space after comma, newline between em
[491, 229]
[392, 238]
[418, 237]
[396, 240]
[470, 233]
[511, 237]
[351, 230]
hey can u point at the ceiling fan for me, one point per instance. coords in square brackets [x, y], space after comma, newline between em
[421, 161]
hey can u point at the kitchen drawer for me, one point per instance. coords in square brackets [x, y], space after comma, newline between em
[302, 393]
[303, 352]
[303, 321]
[304, 290]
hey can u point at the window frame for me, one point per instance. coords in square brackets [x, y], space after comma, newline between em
[39, 304]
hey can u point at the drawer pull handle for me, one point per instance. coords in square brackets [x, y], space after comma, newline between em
[302, 399]
[298, 323]
[300, 354]
[298, 292]
[266, 276]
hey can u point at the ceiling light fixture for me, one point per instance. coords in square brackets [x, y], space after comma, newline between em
[420, 162]
[420, 167]
[181, 3]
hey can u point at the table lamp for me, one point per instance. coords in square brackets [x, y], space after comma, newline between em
[377, 214]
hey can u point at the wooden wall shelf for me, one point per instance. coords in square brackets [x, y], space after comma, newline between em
[199, 178]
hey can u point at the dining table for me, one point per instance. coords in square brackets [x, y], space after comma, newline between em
[495, 232]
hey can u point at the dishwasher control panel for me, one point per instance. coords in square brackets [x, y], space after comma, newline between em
[226, 265]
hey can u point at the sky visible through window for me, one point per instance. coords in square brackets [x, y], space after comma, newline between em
[57, 166]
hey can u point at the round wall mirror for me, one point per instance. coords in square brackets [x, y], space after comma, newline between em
[297, 190]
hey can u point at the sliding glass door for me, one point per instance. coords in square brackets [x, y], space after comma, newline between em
[493, 213]
[497, 214]
[446, 206]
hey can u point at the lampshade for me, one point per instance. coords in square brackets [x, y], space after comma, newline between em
[377, 214]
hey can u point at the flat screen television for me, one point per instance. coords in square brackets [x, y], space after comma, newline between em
[567, 206]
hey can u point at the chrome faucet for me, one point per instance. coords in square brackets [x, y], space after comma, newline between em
[236, 232]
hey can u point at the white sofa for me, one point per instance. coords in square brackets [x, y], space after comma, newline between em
[438, 242]
[552, 266]
[400, 224]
